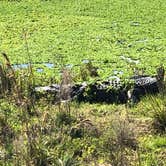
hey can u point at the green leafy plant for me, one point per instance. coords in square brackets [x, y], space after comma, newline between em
[67, 161]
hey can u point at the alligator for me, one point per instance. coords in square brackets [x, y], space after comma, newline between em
[112, 90]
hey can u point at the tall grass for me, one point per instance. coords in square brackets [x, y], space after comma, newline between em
[158, 109]
[158, 104]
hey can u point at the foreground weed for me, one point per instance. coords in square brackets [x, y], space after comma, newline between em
[121, 140]
[158, 107]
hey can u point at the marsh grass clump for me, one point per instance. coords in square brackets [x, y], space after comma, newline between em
[63, 118]
[83, 128]
[7, 76]
[158, 104]
[120, 141]
[158, 107]
[124, 132]
[15, 85]
[6, 137]
[6, 132]
[160, 79]
[92, 69]
[64, 95]
[88, 70]
[65, 85]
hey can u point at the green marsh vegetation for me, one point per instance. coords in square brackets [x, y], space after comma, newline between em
[103, 31]
[39, 132]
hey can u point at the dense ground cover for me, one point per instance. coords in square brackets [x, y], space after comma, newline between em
[66, 32]
[92, 134]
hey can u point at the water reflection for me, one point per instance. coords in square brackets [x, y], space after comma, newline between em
[39, 70]
[26, 65]
[20, 66]
[49, 65]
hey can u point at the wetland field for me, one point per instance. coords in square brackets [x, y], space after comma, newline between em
[65, 44]
[115, 35]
